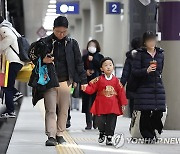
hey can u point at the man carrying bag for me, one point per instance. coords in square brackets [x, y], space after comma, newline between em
[63, 53]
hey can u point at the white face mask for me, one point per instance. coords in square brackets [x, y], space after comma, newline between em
[92, 49]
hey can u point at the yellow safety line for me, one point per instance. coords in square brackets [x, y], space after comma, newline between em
[71, 147]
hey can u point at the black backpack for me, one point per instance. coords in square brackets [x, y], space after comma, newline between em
[23, 45]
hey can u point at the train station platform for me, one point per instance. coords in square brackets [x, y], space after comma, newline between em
[29, 138]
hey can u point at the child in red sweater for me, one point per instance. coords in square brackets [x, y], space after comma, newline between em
[110, 100]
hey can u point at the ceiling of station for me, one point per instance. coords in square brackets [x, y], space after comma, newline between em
[35, 13]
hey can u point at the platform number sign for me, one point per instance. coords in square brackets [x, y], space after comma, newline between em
[113, 8]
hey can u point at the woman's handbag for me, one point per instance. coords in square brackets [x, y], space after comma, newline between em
[135, 124]
[25, 73]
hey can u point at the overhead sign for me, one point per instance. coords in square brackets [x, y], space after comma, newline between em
[67, 7]
[113, 8]
[41, 32]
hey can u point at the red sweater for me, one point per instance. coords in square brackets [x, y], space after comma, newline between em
[110, 95]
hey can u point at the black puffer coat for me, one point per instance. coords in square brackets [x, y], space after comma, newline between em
[150, 94]
[127, 73]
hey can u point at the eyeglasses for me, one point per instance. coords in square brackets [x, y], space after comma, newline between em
[61, 32]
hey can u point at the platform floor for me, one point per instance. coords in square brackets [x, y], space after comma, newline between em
[29, 138]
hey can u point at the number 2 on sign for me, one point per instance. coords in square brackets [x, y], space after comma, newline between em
[114, 8]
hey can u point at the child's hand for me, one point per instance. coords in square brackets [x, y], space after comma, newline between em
[83, 87]
[123, 108]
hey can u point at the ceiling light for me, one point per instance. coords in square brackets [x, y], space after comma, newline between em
[51, 10]
[51, 6]
[52, 1]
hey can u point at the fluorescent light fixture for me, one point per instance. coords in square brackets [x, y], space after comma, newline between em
[52, 1]
[51, 6]
[51, 10]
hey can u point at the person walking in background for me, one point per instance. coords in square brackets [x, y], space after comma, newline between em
[63, 53]
[92, 66]
[150, 94]
[110, 100]
[136, 43]
[9, 41]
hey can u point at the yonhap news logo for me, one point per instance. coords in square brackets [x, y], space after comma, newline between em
[119, 140]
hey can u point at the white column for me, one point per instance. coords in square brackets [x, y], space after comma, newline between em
[116, 33]
[171, 79]
[85, 27]
[114, 38]
[97, 18]
[78, 31]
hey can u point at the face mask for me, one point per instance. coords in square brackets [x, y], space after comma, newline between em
[92, 49]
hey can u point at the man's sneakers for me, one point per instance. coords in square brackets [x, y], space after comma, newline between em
[17, 96]
[8, 115]
[109, 140]
[51, 142]
[102, 137]
[60, 140]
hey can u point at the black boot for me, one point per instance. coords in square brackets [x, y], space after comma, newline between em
[102, 137]
[89, 126]
[68, 124]
[109, 141]
[94, 122]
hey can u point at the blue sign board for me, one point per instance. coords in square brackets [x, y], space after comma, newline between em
[67, 7]
[113, 8]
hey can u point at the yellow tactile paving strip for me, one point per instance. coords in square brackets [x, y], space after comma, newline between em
[84, 139]
[71, 147]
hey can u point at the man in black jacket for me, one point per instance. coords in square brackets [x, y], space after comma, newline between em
[64, 53]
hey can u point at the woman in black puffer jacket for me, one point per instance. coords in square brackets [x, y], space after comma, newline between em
[127, 71]
[150, 94]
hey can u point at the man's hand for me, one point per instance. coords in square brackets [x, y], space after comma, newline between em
[74, 84]
[90, 58]
[48, 60]
[83, 87]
